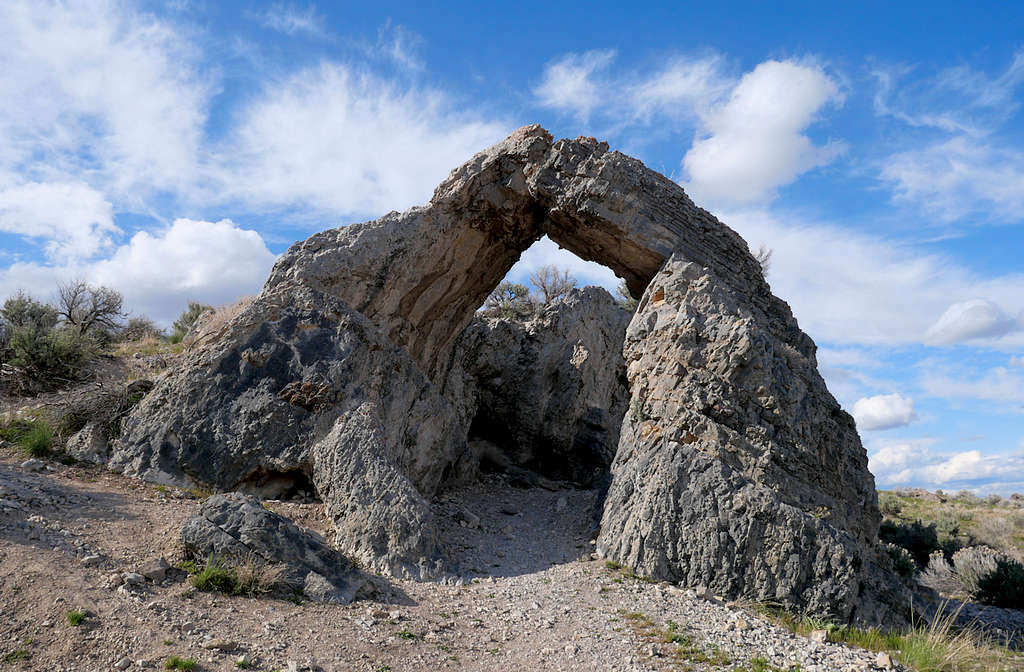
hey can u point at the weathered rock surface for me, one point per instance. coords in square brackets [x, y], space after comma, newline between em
[736, 468]
[299, 389]
[236, 527]
[547, 393]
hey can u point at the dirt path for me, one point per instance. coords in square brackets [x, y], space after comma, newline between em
[540, 602]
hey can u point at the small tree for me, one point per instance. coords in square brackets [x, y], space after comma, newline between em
[90, 310]
[186, 322]
[510, 299]
[553, 283]
[21, 310]
[139, 328]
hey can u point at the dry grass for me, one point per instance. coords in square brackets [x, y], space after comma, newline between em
[213, 323]
[934, 646]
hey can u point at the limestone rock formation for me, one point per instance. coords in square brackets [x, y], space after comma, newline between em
[547, 393]
[735, 468]
[237, 528]
[300, 388]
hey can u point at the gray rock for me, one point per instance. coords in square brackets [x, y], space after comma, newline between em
[155, 570]
[133, 579]
[735, 466]
[89, 444]
[33, 465]
[237, 527]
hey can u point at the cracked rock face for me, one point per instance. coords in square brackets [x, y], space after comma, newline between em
[735, 468]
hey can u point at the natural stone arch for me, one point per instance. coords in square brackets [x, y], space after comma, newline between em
[443, 259]
[735, 467]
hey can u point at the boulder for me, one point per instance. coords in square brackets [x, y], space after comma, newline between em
[237, 528]
[89, 444]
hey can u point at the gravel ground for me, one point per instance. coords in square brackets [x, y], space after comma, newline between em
[74, 538]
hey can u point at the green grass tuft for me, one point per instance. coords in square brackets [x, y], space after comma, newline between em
[75, 617]
[179, 663]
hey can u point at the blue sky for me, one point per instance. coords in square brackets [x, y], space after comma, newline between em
[172, 150]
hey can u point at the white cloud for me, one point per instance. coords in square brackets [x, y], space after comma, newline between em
[913, 462]
[291, 19]
[545, 252]
[95, 91]
[953, 178]
[212, 262]
[884, 411]
[348, 142]
[967, 320]
[1017, 361]
[847, 287]
[569, 84]
[75, 220]
[755, 141]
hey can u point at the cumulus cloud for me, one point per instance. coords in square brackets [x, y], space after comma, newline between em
[158, 273]
[885, 411]
[848, 287]
[74, 220]
[344, 141]
[913, 462]
[967, 320]
[755, 142]
[569, 83]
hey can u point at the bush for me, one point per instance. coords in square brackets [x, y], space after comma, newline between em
[510, 300]
[188, 319]
[889, 504]
[972, 564]
[940, 575]
[141, 328]
[919, 539]
[903, 562]
[1003, 586]
[100, 405]
[251, 577]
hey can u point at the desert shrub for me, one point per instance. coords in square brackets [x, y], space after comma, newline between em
[188, 319]
[940, 575]
[889, 504]
[918, 539]
[993, 499]
[510, 300]
[971, 564]
[994, 531]
[139, 329]
[250, 577]
[902, 561]
[49, 358]
[967, 497]
[624, 298]
[553, 283]
[1003, 586]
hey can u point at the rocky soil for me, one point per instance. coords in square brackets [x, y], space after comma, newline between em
[81, 538]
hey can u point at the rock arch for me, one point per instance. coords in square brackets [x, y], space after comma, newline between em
[735, 467]
[421, 274]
